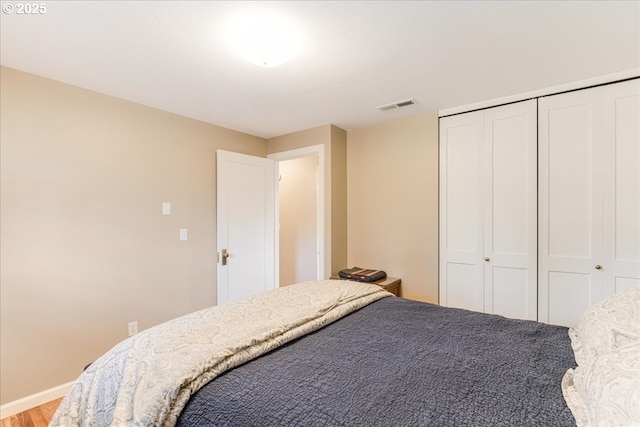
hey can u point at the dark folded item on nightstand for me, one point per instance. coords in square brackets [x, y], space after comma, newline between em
[362, 274]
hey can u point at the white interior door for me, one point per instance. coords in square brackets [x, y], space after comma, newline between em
[510, 210]
[571, 153]
[245, 225]
[488, 211]
[461, 268]
[621, 265]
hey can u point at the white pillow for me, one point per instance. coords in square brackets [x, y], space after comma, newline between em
[610, 324]
[606, 390]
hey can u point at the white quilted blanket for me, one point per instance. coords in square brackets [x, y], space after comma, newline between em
[147, 379]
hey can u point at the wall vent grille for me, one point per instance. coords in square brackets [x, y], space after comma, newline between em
[397, 104]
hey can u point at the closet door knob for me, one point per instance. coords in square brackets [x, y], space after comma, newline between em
[487, 259]
[598, 267]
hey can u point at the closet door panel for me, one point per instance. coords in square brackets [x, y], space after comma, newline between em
[568, 300]
[508, 181]
[570, 168]
[622, 282]
[570, 204]
[461, 280]
[622, 186]
[512, 294]
[510, 212]
[460, 212]
[462, 172]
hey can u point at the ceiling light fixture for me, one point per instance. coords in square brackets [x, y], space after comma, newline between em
[266, 40]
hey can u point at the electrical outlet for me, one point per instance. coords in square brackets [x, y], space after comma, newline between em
[133, 328]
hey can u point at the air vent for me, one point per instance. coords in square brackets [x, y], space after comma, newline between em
[397, 104]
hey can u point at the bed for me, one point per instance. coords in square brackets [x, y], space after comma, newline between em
[336, 353]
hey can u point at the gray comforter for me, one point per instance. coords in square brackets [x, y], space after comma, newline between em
[397, 362]
[147, 379]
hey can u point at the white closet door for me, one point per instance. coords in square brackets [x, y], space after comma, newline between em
[510, 210]
[488, 211]
[461, 281]
[621, 265]
[570, 204]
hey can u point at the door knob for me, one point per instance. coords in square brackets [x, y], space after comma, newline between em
[598, 267]
[225, 255]
[487, 259]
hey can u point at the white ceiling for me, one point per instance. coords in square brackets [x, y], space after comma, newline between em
[357, 55]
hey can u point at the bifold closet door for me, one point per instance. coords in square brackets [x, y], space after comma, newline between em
[621, 213]
[571, 183]
[510, 211]
[461, 236]
[488, 211]
[589, 156]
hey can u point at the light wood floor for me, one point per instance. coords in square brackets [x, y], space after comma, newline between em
[35, 417]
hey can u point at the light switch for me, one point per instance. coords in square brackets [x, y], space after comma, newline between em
[183, 234]
[166, 208]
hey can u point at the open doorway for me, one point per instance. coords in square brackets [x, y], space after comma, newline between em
[299, 215]
[298, 202]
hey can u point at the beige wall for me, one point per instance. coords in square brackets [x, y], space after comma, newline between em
[84, 246]
[305, 138]
[392, 184]
[334, 140]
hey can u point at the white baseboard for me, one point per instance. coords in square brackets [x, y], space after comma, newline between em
[20, 405]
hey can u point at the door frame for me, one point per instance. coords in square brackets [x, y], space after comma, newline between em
[299, 153]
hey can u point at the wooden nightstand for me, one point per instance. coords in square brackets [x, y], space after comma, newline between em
[390, 284]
